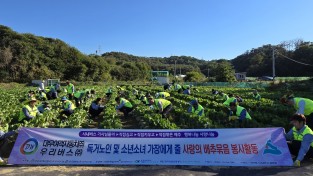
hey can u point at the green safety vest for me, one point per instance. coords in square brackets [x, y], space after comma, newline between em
[69, 88]
[238, 111]
[196, 111]
[43, 95]
[68, 105]
[257, 97]
[164, 94]
[299, 136]
[127, 103]
[52, 88]
[224, 96]
[229, 100]
[32, 111]
[164, 103]
[308, 109]
[186, 86]
[109, 90]
[147, 101]
[78, 93]
[177, 87]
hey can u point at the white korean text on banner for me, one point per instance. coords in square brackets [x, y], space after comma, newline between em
[210, 147]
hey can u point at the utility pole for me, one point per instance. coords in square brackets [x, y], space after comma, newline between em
[175, 70]
[99, 50]
[273, 57]
[208, 72]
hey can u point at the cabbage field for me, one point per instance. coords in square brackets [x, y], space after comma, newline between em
[266, 113]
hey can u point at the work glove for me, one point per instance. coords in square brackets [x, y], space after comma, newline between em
[2, 161]
[296, 163]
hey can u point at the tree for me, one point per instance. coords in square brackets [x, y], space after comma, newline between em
[6, 57]
[194, 76]
[225, 72]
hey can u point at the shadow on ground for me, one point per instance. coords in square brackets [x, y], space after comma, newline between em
[307, 169]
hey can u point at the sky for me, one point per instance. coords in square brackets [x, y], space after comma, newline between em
[204, 29]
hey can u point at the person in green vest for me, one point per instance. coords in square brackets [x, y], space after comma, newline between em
[31, 94]
[53, 91]
[124, 106]
[239, 113]
[42, 96]
[185, 86]
[178, 88]
[162, 95]
[144, 98]
[96, 108]
[231, 98]
[256, 95]
[78, 97]
[300, 139]
[67, 107]
[163, 106]
[70, 88]
[167, 86]
[44, 106]
[29, 111]
[215, 92]
[196, 108]
[87, 94]
[57, 87]
[121, 91]
[223, 95]
[109, 91]
[301, 105]
[187, 91]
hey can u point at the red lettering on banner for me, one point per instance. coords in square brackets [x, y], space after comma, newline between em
[192, 149]
[244, 148]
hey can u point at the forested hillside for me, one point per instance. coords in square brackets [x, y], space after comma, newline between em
[293, 58]
[24, 57]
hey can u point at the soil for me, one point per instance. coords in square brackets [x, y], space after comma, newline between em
[305, 169]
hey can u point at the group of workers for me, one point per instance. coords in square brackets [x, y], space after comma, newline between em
[30, 108]
[300, 137]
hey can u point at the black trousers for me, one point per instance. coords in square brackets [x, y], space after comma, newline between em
[126, 110]
[67, 113]
[108, 94]
[166, 110]
[94, 113]
[78, 101]
[70, 96]
[294, 147]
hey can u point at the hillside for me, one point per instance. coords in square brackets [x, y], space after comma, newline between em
[295, 63]
[24, 57]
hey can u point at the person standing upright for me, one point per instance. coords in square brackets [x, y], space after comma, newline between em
[70, 88]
